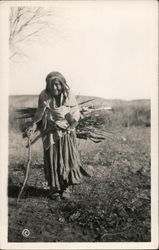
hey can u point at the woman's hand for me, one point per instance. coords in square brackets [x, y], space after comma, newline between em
[31, 130]
[72, 126]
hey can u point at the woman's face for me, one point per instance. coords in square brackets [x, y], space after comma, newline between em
[55, 87]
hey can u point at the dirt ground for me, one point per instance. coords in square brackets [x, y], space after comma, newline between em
[112, 205]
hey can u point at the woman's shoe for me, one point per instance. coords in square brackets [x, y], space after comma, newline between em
[66, 196]
[55, 196]
[67, 193]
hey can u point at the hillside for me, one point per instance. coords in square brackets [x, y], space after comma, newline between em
[112, 205]
[18, 101]
[123, 113]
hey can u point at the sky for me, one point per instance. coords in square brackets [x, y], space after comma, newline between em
[103, 48]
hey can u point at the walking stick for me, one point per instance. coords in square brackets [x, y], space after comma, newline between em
[27, 168]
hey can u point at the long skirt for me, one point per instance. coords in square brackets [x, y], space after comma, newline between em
[62, 163]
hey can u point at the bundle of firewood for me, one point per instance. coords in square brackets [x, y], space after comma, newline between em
[91, 125]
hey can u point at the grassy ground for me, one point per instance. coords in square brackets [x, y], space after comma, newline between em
[111, 205]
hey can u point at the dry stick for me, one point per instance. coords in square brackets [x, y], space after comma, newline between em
[27, 169]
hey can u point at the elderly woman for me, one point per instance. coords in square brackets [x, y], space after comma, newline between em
[58, 114]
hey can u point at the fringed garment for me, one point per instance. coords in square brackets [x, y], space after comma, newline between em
[61, 157]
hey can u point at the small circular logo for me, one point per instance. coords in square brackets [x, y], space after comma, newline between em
[26, 232]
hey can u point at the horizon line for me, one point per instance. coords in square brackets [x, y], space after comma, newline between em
[122, 99]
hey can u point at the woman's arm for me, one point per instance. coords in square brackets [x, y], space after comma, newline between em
[41, 107]
[71, 102]
[74, 113]
[39, 113]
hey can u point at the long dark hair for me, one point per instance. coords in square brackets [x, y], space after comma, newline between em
[60, 77]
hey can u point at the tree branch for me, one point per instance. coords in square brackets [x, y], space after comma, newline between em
[25, 24]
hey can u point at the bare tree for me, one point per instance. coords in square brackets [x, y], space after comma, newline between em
[27, 24]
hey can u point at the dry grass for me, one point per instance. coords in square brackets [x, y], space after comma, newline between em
[112, 205]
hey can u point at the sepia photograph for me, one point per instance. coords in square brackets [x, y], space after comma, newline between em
[81, 134]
